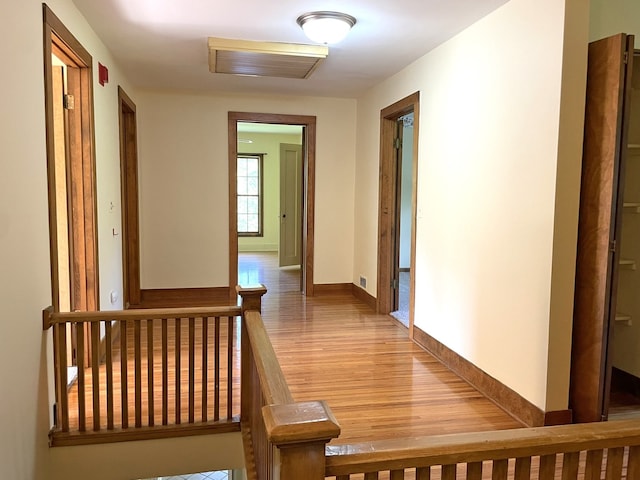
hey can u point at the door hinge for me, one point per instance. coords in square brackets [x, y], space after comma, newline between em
[394, 283]
[612, 246]
[397, 143]
[68, 102]
[625, 58]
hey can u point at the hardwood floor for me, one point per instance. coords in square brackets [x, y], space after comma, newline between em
[378, 383]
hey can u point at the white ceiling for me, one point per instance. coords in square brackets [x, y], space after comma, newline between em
[163, 43]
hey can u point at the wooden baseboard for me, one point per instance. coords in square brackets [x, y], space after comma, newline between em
[183, 297]
[331, 288]
[507, 399]
[364, 296]
[558, 417]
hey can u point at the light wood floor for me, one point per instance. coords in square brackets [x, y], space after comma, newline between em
[378, 383]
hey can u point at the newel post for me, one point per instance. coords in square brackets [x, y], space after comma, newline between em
[251, 300]
[251, 297]
[300, 431]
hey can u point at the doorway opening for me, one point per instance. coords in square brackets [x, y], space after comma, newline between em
[71, 179]
[271, 201]
[397, 209]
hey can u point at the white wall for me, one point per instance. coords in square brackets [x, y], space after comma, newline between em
[609, 17]
[184, 185]
[25, 353]
[489, 152]
[269, 144]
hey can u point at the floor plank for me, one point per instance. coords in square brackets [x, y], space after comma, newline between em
[378, 383]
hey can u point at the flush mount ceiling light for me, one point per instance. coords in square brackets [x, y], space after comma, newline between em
[326, 27]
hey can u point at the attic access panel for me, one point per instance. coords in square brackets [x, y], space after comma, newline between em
[264, 59]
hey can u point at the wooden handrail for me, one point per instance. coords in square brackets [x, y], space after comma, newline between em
[478, 447]
[51, 318]
[141, 354]
[284, 439]
[274, 386]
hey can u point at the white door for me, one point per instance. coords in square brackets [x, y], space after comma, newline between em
[290, 204]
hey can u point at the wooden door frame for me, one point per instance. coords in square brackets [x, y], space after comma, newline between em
[130, 201]
[387, 201]
[58, 39]
[308, 194]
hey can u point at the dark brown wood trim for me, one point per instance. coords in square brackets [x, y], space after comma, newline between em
[364, 296]
[129, 199]
[387, 198]
[81, 165]
[558, 417]
[308, 197]
[184, 297]
[404, 269]
[507, 399]
[74, 47]
[62, 439]
[332, 288]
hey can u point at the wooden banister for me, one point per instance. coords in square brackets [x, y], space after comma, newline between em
[284, 439]
[130, 379]
[473, 449]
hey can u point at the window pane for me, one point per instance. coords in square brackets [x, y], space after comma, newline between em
[252, 167]
[242, 186]
[242, 166]
[242, 205]
[252, 205]
[252, 186]
[253, 223]
[242, 223]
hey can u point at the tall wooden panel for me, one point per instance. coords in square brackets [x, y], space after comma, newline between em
[598, 229]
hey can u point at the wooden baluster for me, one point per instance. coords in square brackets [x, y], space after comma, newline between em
[216, 371]
[593, 467]
[178, 380]
[95, 372]
[570, 465]
[449, 472]
[192, 369]
[633, 463]
[108, 339]
[150, 372]
[82, 426]
[205, 367]
[137, 349]
[396, 475]
[60, 337]
[124, 381]
[615, 457]
[165, 373]
[547, 467]
[474, 471]
[500, 469]
[523, 468]
[423, 473]
[230, 367]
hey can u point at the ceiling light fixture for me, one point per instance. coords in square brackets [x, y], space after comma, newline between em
[326, 27]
